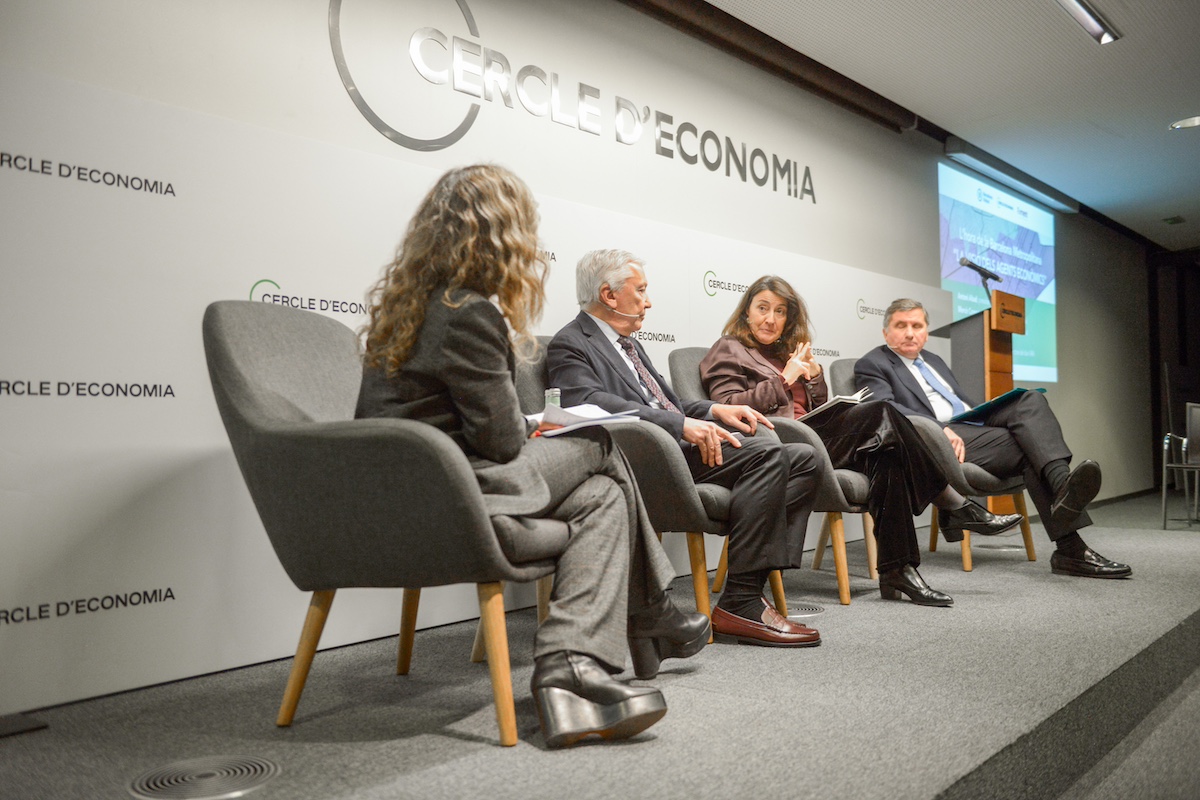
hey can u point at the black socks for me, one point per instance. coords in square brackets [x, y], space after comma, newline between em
[1056, 473]
[1071, 545]
[743, 594]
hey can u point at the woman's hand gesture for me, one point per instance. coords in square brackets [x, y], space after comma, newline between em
[801, 363]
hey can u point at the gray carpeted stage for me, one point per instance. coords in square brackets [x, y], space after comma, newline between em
[1032, 686]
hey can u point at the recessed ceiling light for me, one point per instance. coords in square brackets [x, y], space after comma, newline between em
[1189, 122]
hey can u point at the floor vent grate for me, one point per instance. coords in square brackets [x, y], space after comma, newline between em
[211, 778]
[804, 611]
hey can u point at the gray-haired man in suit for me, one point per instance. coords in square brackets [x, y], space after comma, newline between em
[594, 359]
[1020, 438]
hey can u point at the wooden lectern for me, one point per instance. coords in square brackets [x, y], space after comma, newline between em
[981, 346]
[981, 353]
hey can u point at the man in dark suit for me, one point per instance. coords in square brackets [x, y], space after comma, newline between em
[594, 360]
[1022, 437]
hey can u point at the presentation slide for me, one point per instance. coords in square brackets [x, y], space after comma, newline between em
[1013, 238]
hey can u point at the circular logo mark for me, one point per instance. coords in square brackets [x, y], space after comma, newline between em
[708, 288]
[865, 310]
[260, 283]
[412, 143]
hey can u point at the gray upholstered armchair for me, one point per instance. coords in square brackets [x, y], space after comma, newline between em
[968, 479]
[674, 502]
[356, 503]
[840, 491]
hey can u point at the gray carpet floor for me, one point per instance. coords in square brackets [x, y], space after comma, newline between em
[1032, 685]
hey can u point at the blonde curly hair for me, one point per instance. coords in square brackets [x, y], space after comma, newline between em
[476, 230]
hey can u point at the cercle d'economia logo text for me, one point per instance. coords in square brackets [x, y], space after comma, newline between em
[863, 310]
[384, 53]
[268, 291]
[713, 284]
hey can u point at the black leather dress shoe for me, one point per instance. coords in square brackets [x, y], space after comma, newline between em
[661, 631]
[1080, 488]
[909, 581]
[576, 698]
[1088, 565]
[976, 519]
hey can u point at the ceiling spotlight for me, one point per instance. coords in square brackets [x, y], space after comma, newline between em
[1190, 122]
[1091, 21]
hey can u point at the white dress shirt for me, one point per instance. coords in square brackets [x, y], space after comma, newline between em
[942, 409]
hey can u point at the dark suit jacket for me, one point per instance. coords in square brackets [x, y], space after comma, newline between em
[459, 378]
[738, 375]
[585, 366]
[888, 378]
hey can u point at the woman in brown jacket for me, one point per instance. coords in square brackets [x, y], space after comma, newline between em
[765, 360]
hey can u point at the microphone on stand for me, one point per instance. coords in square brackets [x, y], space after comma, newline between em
[984, 273]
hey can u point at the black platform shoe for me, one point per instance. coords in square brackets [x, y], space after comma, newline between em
[661, 631]
[576, 698]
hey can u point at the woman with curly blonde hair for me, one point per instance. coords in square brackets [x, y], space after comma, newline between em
[476, 230]
[465, 283]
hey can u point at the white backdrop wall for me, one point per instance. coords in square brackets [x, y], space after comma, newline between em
[131, 551]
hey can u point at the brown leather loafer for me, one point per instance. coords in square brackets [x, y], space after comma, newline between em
[773, 630]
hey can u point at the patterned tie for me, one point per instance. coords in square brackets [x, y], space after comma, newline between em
[956, 406]
[643, 373]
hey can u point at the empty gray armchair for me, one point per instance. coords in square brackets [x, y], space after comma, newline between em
[968, 479]
[840, 491]
[356, 503]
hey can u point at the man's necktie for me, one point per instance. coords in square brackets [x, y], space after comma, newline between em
[956, 406]
[643, 373]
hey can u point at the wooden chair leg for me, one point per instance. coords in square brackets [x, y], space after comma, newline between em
[933, 529]
[872, 548]
[695, 545]
[310, 636]
[1026, 533]
[966, 552]
[478, 648]
[545, 587]
[495, 635]
[822, 541]
[408, 628]
[838, 530]
[722, 568]
[776, 580]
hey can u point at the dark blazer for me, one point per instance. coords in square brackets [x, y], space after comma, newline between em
[739, 375]
[459, 378]
[584, 365]
[888, 378]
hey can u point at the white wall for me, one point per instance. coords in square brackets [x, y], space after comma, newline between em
[277, 177]
[1103, 393]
